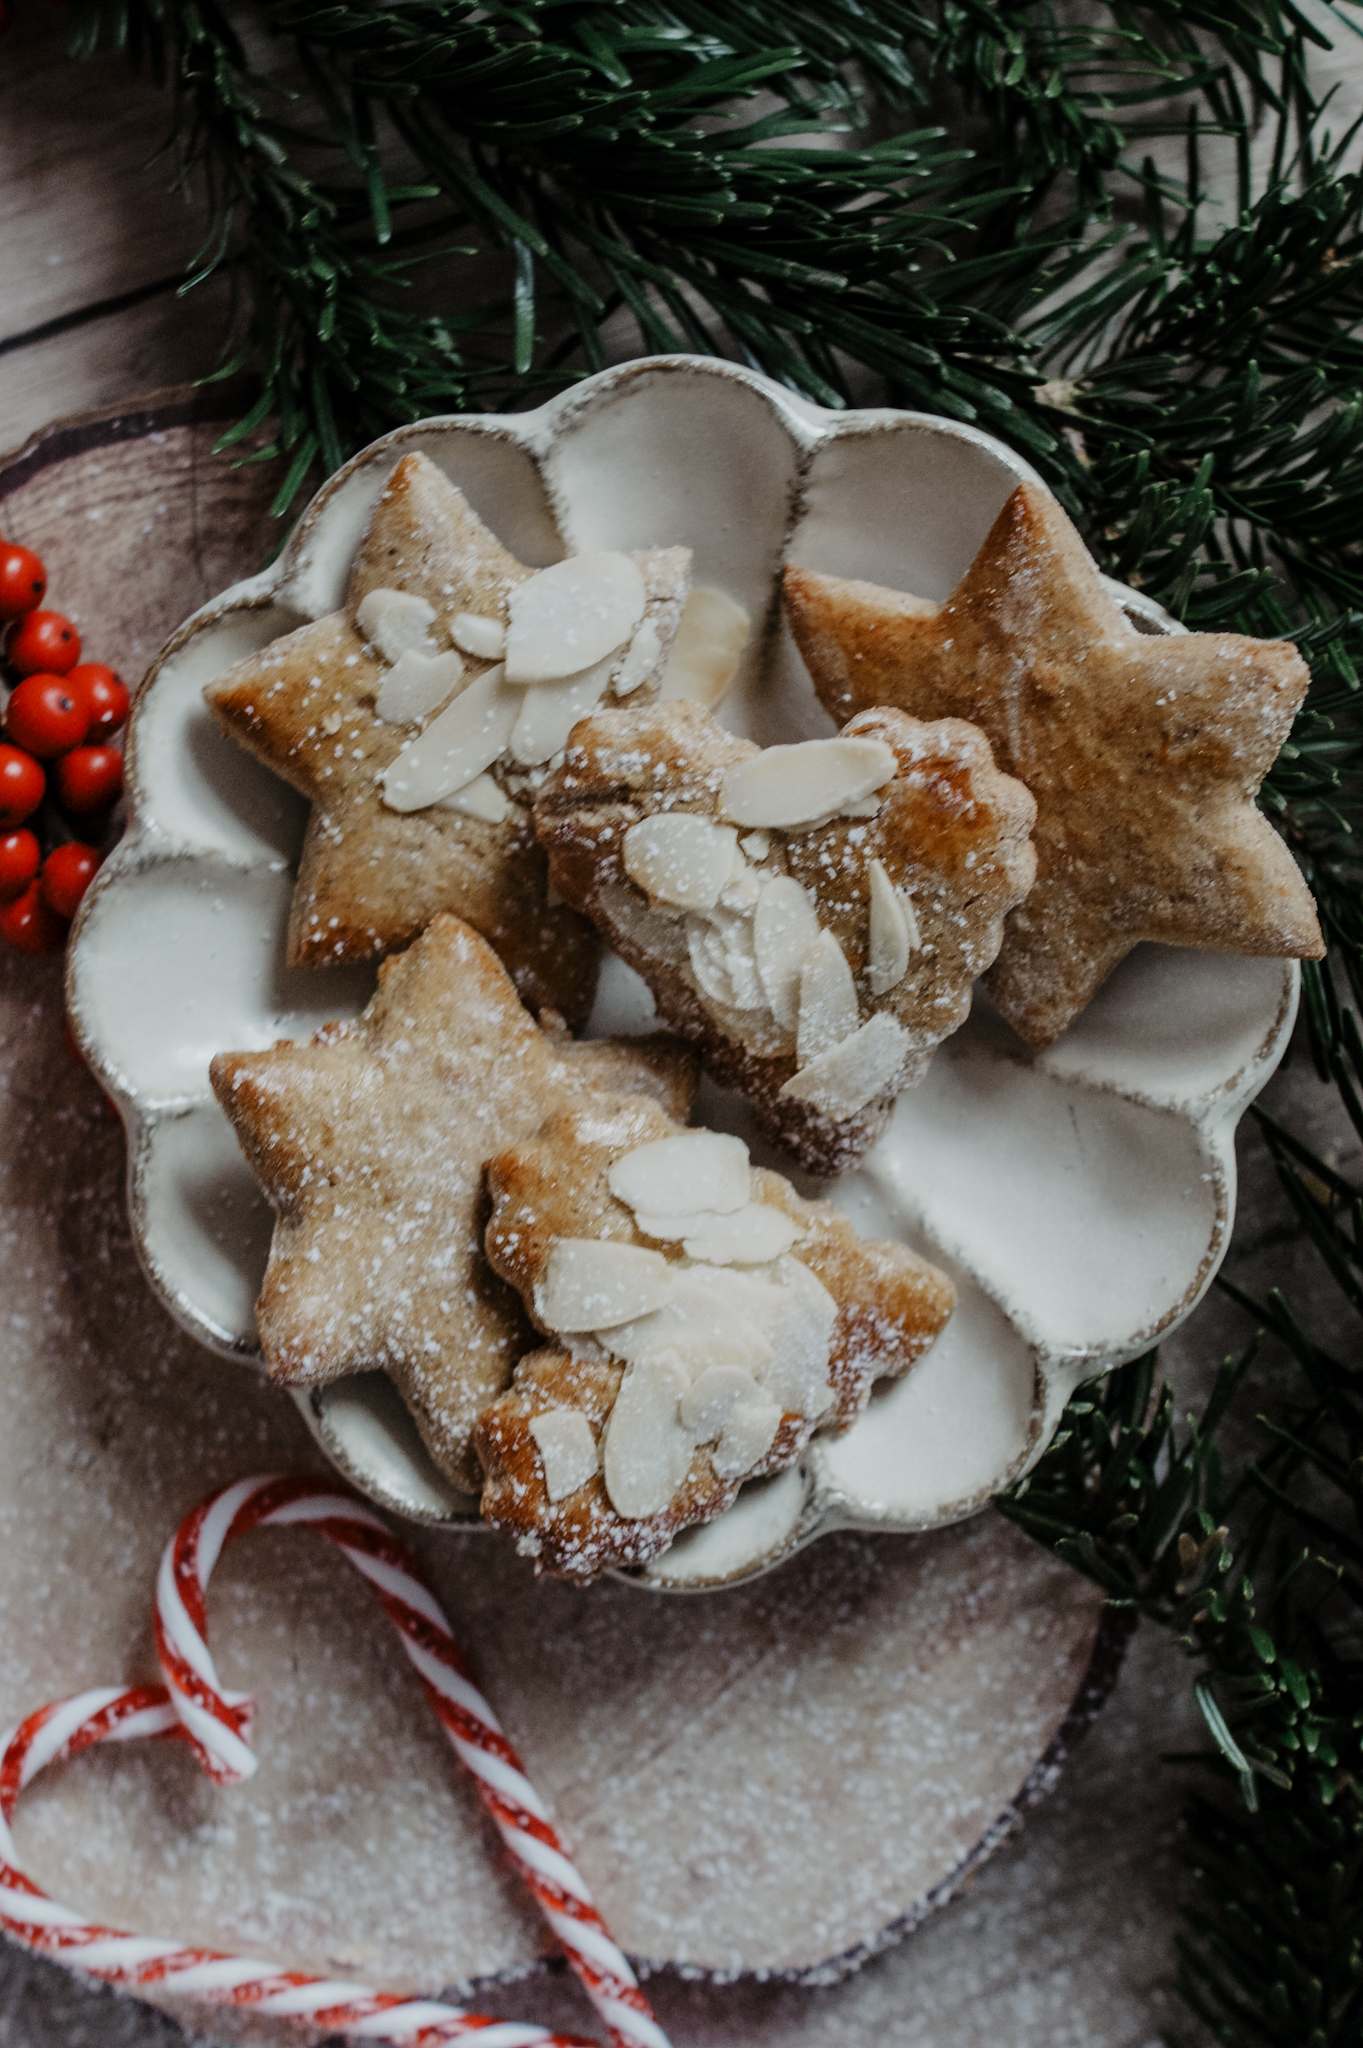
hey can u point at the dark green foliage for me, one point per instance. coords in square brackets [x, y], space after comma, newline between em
[1000, 247]
[1257, 1573]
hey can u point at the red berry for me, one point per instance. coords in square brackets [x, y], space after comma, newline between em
[46, 717]
[104, 695]
[22, 783]
[67, 873]
[89, 778]
[23, 580]
[43, 642]
[31, 924]
[19, 858]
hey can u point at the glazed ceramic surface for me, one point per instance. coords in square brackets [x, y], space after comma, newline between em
[1082, 1198]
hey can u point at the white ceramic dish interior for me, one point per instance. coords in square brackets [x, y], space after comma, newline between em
[1082, 1198]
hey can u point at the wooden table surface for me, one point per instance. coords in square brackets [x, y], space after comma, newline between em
[1067, 1937]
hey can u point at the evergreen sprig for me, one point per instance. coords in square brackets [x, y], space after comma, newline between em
[1257, 1574]
[951, 203]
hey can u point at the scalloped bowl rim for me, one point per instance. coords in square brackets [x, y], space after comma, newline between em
[771, 1518]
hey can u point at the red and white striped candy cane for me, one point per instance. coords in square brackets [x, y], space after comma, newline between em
[193, 1706]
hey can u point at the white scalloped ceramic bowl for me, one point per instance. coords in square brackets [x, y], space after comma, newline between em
[1082, 1198]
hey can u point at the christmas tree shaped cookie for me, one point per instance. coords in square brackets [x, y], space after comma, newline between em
[810, 917]
[418, 721]
[703, 1320]
[1144, 752]
[370, 1143]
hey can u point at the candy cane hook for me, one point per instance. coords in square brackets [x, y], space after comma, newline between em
[193, 1706]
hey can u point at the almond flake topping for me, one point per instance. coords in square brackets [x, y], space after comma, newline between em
[785, 926]
[856, 1070]
[571, 616]
[641, 658]
[713, 1316]
[708, 648]
[748, 1436]
[567, 1448]
[549, 711]
[692, 1172]
[727, 1403]
[681, 859]
[482, 798]
[828, 999]
[593, 1283]
[465, 739]
[892, 936]
[484, 639]
[752, 1236]
[394, 620]
[799, 785]
[798, 1375]
[417, 684]
[647, 1449]
[712, 1356]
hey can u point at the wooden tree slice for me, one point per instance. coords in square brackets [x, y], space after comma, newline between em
[775, 1779]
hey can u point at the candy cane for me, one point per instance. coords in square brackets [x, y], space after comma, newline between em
[193, 1706]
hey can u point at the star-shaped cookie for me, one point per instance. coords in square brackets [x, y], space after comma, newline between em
[1144, 752]
[817, 973]
[371, 877]
[778, 1321]
[370, 1142]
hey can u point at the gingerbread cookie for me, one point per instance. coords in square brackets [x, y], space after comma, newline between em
[811, 917]
[1144, 752]
[704, 1323]
[370, 1143]
[418, 722]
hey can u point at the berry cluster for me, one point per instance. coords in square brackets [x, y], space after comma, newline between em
[58, 772]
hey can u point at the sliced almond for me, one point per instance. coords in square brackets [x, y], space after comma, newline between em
[672, 1229]
[785, 926]
[691, 1172]
[482, 798]
[465, 739]
[798, 1374]
[851, 1074]
[591, 1283]
[709, 961]
[828, 999]
[567, 1448]
[417, 684]
[790, 786]
[571, 616]
[549, 711]
[483, 638]
[712, 1398]
[647, 1450]
[713, 1316]
[891, 939]
[748, 1436]
[394, 620]
[707, 649]
[675, 857]
[744, 885]
[641, 659]
[734, 930]
[752, 1236]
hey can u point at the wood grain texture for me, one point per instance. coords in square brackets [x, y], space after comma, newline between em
[1066, 1936]
[87, 216]
[769, 1779]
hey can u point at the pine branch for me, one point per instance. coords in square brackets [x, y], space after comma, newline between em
[1258, 1576]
